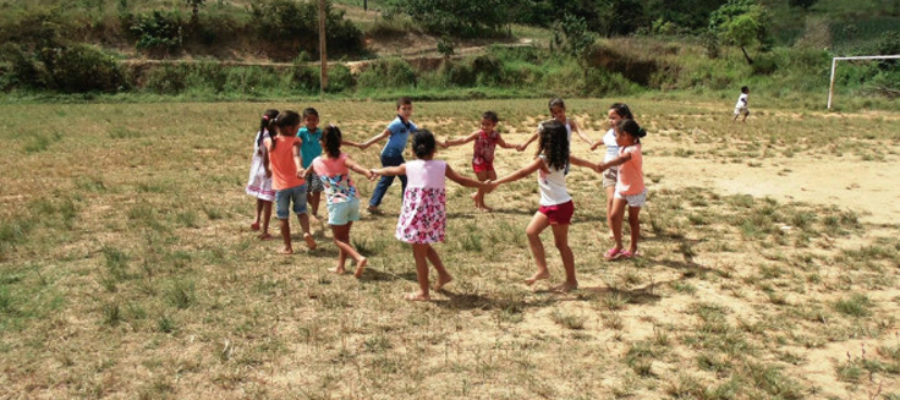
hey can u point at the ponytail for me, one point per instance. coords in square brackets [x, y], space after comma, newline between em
[266, 123]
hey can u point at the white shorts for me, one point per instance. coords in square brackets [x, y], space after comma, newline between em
[741, 110]
[634, 200]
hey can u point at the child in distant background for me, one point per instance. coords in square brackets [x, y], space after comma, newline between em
[486, 141]
[287, 177]
[556, 206]
[259, 184]
[333, 168]
[558, 112]
[397, 132]
[630, 187]
[423, 217]
[741, 107]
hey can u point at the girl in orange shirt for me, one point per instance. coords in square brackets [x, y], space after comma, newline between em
[630, 187]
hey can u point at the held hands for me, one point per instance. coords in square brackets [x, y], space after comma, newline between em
[520, 147]
[599, 168]
[489, 186]
[444, 144]
[301, 173]
[595, 145]
[372, 175]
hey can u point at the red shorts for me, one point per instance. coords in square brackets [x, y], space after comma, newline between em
[559, 214]
[483, 167]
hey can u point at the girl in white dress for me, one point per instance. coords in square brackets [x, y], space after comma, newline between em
[259, 184]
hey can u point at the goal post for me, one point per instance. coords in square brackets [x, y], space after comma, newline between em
[834, 61]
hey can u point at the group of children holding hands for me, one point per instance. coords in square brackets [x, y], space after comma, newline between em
[295, 160]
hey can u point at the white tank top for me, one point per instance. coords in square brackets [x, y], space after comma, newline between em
[552, 186]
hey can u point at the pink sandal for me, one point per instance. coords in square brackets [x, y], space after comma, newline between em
[628, 254]
[613, 254]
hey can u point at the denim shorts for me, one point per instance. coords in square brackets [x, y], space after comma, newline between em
[283, 199]
[314, 183]
[342, 213]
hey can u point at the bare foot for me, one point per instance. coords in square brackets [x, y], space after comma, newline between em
[360, 267]
[538, 276]
[265, 236]
[442, 281]
[417, 296]
[485, 208]
[254, 226]
[565, 287]
[310, 242]
[338, 270]
[287, 250]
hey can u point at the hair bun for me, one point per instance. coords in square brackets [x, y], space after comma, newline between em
[642, 132]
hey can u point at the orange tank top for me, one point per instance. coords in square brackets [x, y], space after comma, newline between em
[281, 158]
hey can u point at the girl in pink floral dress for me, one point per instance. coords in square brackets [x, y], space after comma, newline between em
[423, 218]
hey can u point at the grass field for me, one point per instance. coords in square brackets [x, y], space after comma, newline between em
[769, 270]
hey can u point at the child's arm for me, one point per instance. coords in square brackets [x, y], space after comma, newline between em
[389, 171]
[523, 146]
[581, 134]
[525, 171]
[375, 139]
[266, 166]
[462, 140]
[463, 180]
[617, 161]
[350, 143]
[581, 162]
[502, 143]
[298, 160]
[353, 166]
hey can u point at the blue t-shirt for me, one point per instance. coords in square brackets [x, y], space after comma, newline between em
[311, 147]
[399, 135]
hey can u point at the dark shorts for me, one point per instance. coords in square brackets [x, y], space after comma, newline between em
[559, 214]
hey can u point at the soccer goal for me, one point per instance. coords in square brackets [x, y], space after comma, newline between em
[834, 61]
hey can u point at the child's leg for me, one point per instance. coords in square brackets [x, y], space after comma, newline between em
[283, 213]
[561, 240]
[420, 253]
[313, 199]
[443, 276]
[259, 206]
[299, 197]
[286, 236]
[478, 197]
[615, 221]
[385, 181]
[537, 225]
[342, 240]
[610, 194]
[635, 224]
[267, 215]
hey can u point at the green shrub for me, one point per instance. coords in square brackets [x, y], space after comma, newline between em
[387, 73]
[157, 31]
[293, 25]
[305, 78]
[339, 79]
[82, 68]
[167, 79]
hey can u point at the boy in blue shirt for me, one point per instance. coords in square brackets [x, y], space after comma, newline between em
[397, 133]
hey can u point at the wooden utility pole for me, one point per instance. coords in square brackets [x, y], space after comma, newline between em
[323, 54]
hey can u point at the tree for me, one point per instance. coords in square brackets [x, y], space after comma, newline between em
[461, 18]
[741, 23]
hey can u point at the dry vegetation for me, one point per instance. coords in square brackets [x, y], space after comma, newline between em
[127, 269]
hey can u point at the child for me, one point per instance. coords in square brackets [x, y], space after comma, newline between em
[310, 148]
[616, 113]
[629, 187]
[741, 106]
[422, 218]
[397, 133]
[333, 169]
[287, 177]
[259, 184]
[558, 113]
[556, 205]
[486, 140]
[311, 135]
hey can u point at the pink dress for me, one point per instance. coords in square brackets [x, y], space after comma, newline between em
[423, 218]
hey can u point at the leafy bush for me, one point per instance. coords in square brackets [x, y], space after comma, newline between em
[156, 31]
[339, 79]
[82, 68]
[389, 73]
[168, 79]
[293, 25]
[305, 78]
[465, 18]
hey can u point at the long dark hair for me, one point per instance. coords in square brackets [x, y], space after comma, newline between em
[331, 137]
[265, 124]
[423, 143]
[284, 120]
[554, 144]
[622, 109]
